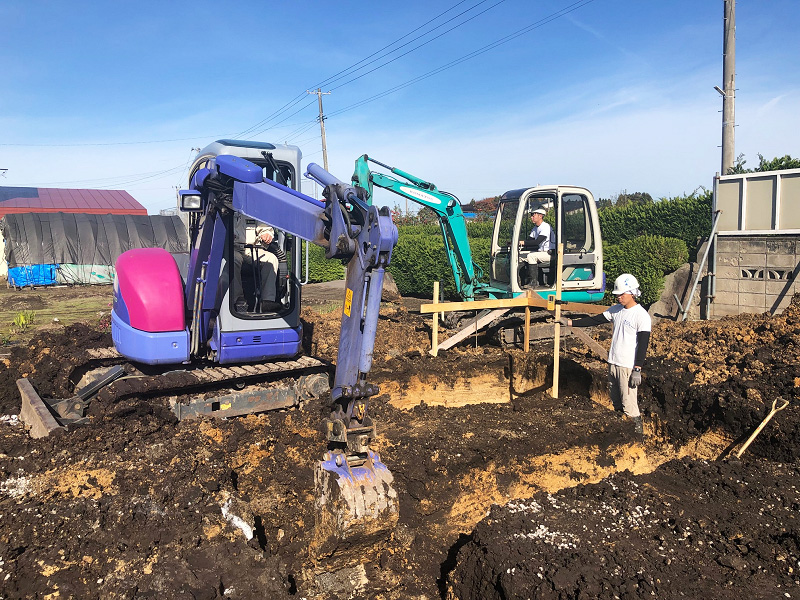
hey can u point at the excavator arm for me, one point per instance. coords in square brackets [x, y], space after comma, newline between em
[466, 272]
[355, 498]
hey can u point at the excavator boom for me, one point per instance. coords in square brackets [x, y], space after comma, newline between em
[466, 273]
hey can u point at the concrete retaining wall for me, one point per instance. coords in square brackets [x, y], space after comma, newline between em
[755, 273]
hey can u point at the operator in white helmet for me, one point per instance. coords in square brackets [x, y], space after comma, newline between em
[539, 245]
[629, 341]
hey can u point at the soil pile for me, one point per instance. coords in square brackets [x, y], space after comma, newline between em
[691, 529]
[138, 505]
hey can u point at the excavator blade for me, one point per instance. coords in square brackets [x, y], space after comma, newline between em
[356, 506]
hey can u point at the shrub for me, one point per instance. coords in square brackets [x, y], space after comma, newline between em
[648, 258]
[420, 259]
[24, 319]
[685, 217]
[320, 269]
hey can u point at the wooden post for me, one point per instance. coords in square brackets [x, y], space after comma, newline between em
[557, 333]
[527, 342]
[435, 331]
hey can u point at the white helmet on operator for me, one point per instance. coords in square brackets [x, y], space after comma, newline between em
[626, 283]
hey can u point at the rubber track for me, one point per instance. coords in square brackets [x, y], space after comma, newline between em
[178, 377]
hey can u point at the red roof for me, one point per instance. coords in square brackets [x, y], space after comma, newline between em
[97, 202]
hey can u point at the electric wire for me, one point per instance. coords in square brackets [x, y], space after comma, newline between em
[499, 42]
[352, 68]
[416, 47]
[344, 74]
[251, 132]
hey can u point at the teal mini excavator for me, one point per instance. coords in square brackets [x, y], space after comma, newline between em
[515, 264]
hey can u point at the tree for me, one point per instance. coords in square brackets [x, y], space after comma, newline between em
[486, 207]
[624, 198]
[776, 164]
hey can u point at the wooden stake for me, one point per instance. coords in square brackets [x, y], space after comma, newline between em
[435, 331]
[557, 332]
[527, 342]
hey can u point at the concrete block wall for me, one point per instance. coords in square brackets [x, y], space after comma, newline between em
[755, 273]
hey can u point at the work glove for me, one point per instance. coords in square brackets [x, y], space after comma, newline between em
[635, 380]
[564, 321]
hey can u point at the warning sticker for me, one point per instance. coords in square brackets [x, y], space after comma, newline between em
[348, 301]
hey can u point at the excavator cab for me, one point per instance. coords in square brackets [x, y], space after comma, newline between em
[518, 264]
[257, 308]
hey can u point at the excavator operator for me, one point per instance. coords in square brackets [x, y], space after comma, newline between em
[539, 244]
[267, 263]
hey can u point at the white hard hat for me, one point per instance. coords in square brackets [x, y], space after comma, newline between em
[626, 283]
[265, 229]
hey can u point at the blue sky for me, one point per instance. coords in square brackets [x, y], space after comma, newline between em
[612, 95]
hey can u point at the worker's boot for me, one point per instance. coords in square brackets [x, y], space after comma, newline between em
[637, 425]
[268, 306]
[533, 275]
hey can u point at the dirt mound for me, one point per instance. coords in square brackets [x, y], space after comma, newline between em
[48, 361]
[691, 529]
[726, 374]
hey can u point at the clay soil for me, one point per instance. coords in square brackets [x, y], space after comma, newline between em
[504, 491]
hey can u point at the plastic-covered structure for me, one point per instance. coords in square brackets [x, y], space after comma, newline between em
[53, 248]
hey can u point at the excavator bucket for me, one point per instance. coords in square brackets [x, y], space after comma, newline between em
[355, 505]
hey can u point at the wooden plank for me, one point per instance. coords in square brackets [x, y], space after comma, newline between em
[527, 335]
[470, 329]
[435, 330]
[601, 352]
[521, 301]
[474, 305]
[557, 333]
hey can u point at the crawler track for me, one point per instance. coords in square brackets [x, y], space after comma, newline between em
[216, 390]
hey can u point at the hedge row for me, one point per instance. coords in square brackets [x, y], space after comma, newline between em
[420, 259]
[648, 258]
[684, 217]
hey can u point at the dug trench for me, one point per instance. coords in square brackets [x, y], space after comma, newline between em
[504, 491]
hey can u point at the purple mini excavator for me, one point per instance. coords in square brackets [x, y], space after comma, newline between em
[200, 312]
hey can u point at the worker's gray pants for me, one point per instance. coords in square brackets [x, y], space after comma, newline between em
[623, 397]
[268, 269]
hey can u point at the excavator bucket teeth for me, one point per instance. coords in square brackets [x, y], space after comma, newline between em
[356, 506]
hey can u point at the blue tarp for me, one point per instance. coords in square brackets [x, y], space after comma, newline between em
[32, 275]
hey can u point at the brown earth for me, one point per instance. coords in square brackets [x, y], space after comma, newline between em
[504, 491]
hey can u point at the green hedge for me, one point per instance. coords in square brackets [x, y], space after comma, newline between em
[684, 217]
[419, 259]
[649, 258]
[633, 241]
[320, 269]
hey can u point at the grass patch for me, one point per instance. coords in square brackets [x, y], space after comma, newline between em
[26, 312]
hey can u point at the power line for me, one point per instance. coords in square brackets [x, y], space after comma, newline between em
[251, 132]
[336, 78]
[499, 42]
[419, 46]
[352, 68]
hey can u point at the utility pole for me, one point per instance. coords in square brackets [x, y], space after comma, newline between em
[319, 94]
[728, 85]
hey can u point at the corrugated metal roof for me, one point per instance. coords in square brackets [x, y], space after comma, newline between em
[14, 200]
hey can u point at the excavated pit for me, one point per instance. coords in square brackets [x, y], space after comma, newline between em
[504, 491]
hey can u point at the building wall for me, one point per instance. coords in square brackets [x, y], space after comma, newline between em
[755, 273]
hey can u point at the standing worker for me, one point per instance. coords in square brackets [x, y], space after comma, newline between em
[632, 326]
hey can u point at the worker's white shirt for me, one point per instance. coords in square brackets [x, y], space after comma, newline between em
[545, 230]
[627, 323]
